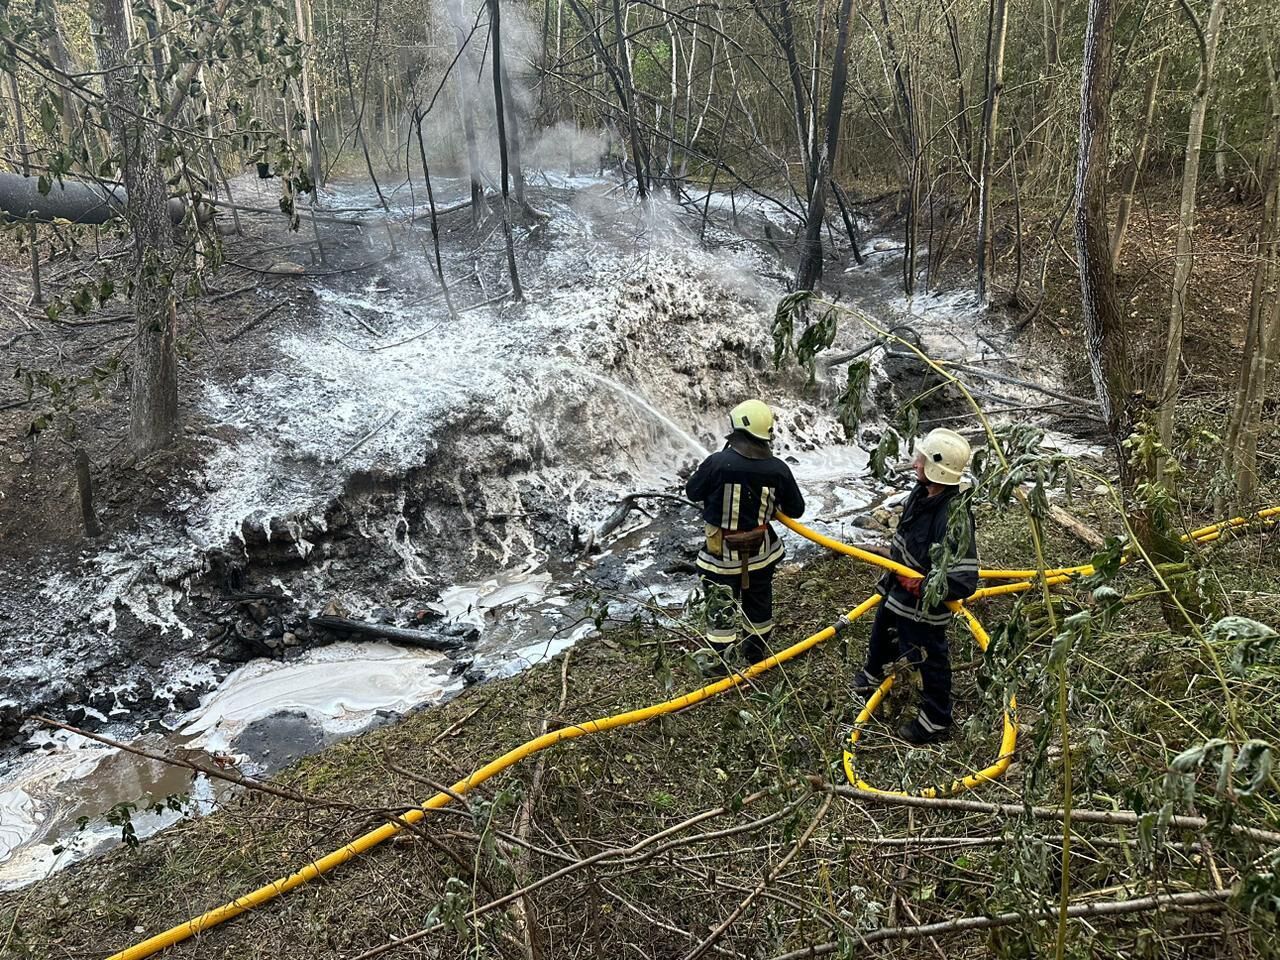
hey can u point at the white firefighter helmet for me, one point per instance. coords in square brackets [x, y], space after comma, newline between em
[945, 454]
[753, 416]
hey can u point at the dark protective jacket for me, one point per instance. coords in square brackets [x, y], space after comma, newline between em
[924, 523]
[741, 488]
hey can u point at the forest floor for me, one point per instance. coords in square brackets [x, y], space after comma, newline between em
[1140, 693]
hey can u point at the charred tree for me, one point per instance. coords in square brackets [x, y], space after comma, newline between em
[495, 37]
[810, 269]
[784, 34]
[153, 408]
[466, 106]
[418, 117]
[621, 82]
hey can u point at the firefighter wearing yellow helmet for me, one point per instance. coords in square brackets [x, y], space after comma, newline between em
[906, 626]
[740, 488]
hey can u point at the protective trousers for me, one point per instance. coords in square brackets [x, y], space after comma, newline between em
[922, 645]
[753, 610]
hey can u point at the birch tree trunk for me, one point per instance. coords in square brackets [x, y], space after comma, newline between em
[1186, 224]
[303, 16]
[153, 408]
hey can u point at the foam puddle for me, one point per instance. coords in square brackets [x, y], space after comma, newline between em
[339, 688]
[71, 778]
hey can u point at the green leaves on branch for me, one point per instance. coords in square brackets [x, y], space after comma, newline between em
[849, 404]
[1252, 642]
[1028, 464]
[816, 332]
[1239, 772]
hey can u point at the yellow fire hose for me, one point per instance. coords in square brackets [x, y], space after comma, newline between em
[374, 837]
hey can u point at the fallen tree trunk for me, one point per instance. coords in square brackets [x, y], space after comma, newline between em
[381, 631]
[78, 201]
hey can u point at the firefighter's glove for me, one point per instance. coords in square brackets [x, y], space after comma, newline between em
[913, 585]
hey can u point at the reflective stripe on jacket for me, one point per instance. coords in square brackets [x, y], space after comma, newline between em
[740, 488]
[924, 523]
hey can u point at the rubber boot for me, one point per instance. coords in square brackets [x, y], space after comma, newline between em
[755, 649]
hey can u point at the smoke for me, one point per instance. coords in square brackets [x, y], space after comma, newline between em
[466, 99]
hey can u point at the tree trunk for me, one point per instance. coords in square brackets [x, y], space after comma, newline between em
[495, 36]
[418, 117]
[312, 137]
[153, 410]
[629, 90]
[511, 118]
[24, 152]
[1139, 159]
[1220, 145]
[47, 11]
[1262, 335]
[784, 35]
[1105, 334]
[621, 85]
[1186, 224]
[997, 30]
[964, 135]
[466, 106]
[810, 269]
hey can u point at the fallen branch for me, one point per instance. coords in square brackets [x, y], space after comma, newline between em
[760, 888]
[626, 505]
[1103, 908]
[382, 631]
[311, 273]
[1123, 818]
[1076, 527]
[1015, 381]
[368, 436]
[228, 294]
[582, 864]
[253, 321]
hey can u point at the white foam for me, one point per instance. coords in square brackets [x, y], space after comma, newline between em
[339, 687]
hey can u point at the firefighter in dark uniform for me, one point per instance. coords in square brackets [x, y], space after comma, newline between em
[906, 627]
[740, 488]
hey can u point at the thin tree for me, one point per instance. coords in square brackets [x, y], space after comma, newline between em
[24, 151]
[1184, 258]
[997, 30]
[1262, 333]
[1105, 336]
[810, 269]
[495, 37]
[1139, 159]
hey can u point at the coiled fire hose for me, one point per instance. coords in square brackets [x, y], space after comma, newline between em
[1023, 580]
